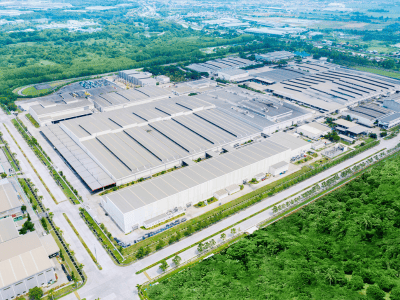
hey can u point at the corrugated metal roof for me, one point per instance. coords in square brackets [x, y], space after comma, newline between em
[149, 191]
[22, 257]
[8, 196]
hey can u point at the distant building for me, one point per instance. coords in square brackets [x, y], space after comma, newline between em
[163, 79]
[313, 130]
[390, 121]
[233, 75]
[302, 54]
[275, 56]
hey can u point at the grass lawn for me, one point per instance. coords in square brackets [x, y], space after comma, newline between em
[11, 161]
[379, 72]
[32, 91]
[32, 120]
[104, 239]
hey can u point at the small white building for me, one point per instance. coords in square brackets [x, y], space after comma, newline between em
[233, 188]
[221, 194]
[233, 74]
[279, 168]
[313, 130]
[163, 79]
[259, 176]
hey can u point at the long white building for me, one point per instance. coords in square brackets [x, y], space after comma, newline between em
[25, 263]
[132, 206]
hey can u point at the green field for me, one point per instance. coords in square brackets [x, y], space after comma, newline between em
[32, 91]
[379, 72]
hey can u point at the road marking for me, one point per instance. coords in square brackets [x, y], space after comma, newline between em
[147, 275]
[77, 295]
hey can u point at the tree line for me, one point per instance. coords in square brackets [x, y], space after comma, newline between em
[344, 246]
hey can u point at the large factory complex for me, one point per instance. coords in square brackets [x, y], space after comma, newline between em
[214, 137]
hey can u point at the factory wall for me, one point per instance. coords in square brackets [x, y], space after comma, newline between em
[192, 195]
[360, 119]
[23, 286]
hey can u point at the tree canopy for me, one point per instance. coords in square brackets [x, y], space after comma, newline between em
[344, 246]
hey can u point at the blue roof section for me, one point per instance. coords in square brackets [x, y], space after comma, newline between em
[302, 54]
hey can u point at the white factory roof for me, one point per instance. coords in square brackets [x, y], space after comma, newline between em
[233, 72]
[80, 161]
[41, 110]
[8, 196]
[288, 140]
[8, 231]
[157, 133]
[150, 191]
[280, 164]
[345, 123]
[22, 257]
[49, 244]
[314, 128]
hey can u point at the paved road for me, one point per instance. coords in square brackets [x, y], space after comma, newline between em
[114, 282]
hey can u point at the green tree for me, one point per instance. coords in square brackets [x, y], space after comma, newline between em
[395, 294]
[233, 231]
[160, 245]
[200, 247]
[356, 283]
[375, 293]
[23, 208]
[177, 260]
[164, 265]
[223, 236]
[35, 293]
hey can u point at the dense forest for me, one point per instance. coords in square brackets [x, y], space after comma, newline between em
[40, 56]
[344, 246]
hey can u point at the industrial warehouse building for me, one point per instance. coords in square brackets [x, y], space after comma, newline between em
[313, 130]
[212, 67]
[233, 75]
[132, 206]
[368, 114]
[10, 205]
[328, 88]
[117, 99]
[166, 133]
[25, 262]
[390, 121]
[275, 56]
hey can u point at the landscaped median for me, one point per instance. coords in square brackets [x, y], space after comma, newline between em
[36, 172]
[157, 242]
[32, 120]
[106, 241]
[83, 242]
